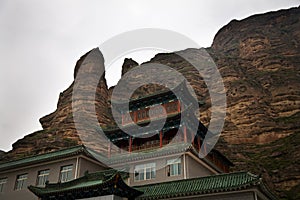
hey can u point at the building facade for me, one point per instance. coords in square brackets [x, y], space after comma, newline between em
[152, 162]
[59, 166]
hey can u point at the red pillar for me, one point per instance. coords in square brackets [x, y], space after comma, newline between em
[135, 116]
[199, 144]
[184, 134]
[165, 109]
[178, 106]
[130, 144]
[160, 139]
[193, 141]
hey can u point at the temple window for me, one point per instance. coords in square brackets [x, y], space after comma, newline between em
[66, 173]
[3, 181]
[174, 167]
[21, 181]
[145, 172]
[42, 177]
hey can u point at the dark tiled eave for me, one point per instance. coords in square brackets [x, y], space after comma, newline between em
[204, 185]
[62, 153]
[91, 185]
[170, 149]
[172, 122]
[158, 98]
[152, 153]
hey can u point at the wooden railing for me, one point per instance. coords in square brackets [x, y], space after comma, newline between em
[143, 114]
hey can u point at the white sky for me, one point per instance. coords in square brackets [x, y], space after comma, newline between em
[40, 42]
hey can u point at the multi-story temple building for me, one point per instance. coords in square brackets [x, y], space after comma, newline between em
[152, 162]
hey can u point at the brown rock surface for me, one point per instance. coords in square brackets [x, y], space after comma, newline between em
[259, 59]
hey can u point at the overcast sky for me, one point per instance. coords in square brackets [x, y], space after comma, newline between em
[40, 42]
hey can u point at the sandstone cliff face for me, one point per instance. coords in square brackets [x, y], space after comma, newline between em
[259, 60]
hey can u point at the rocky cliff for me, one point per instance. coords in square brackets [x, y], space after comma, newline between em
[259, 60]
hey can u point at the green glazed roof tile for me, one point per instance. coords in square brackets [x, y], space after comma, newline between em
[89, 182]
[202, 185]
[43, 157]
